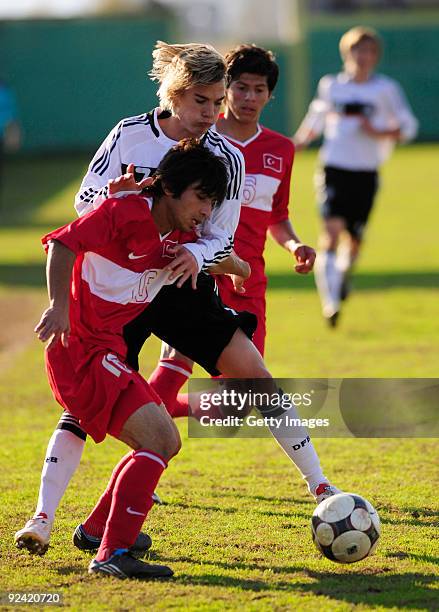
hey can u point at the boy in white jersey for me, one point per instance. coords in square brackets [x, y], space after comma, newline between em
[361, 115]
[191, 91]
[252, 75]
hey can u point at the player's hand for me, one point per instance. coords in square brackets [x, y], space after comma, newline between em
[238, 280]
[238, 283]
[305, 257]
[54, 325]
[127, 182]
[299, 145]
[367, 127]
[184, 265]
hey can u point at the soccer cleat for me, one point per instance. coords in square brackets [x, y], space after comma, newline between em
[123, 565]
[35, 535]
[333, 319]
[156, 498]
[83, 541]
[325, 490]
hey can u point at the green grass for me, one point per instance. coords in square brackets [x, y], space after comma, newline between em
[235, 527]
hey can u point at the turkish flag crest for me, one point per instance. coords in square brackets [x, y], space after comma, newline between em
[272, 162]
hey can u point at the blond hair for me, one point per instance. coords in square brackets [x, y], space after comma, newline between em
[177, 67]
[356, 35]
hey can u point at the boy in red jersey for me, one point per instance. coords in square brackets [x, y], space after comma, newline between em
[252, 75]
[102, 270]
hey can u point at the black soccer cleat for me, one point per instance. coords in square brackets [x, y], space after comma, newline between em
[83, 541]
[333, 319]
[123, 565]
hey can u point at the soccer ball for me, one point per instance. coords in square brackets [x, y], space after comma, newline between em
[345, 528]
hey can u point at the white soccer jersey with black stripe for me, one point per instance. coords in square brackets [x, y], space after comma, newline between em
[337, 112]
[140, 141]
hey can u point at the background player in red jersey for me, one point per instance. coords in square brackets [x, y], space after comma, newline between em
[119, 259]
[252, 76]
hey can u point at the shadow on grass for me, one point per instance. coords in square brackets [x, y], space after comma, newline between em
[410, 521]
[362, 281]
[32, 275]
[27, 275]
[415, 557]
[411, 591]
[272, 500]
[232, 510]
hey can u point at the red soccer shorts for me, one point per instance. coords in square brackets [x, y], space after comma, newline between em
[96, 386]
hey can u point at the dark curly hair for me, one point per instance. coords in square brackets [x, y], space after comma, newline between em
[252, 59]
[191, 163]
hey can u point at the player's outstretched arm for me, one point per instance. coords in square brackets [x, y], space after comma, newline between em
[313, 123]
[285, 236]
[105, 165]
[238, 269]
[54, 324]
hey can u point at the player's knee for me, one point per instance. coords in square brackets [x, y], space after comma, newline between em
[151, 427]
[167, 441]
[171, 441]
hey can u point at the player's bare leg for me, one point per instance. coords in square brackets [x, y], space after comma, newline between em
[241, 359]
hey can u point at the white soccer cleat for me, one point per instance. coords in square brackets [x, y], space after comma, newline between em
[35, 535]
[325, 490]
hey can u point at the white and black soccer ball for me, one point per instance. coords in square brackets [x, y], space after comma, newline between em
[345, 528]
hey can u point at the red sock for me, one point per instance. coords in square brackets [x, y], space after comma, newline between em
[167, 380]
[94, 525]
[131, 501]
[181, 408]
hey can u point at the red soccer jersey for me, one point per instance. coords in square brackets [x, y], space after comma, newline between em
[118, 270]
[268, 164]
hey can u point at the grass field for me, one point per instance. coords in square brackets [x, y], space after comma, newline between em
[235, 526]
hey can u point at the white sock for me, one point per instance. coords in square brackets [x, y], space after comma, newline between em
[63, 455]
[296, 443]
[344, 261]
[329, 278]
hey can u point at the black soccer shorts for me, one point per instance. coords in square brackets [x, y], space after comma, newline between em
[348, 194]
[193, 321]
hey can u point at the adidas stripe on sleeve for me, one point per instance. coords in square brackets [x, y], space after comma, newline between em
[140, 140]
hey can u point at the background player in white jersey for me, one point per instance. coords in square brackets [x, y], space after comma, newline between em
[252, 74]
[361, 115]
[192, 87]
